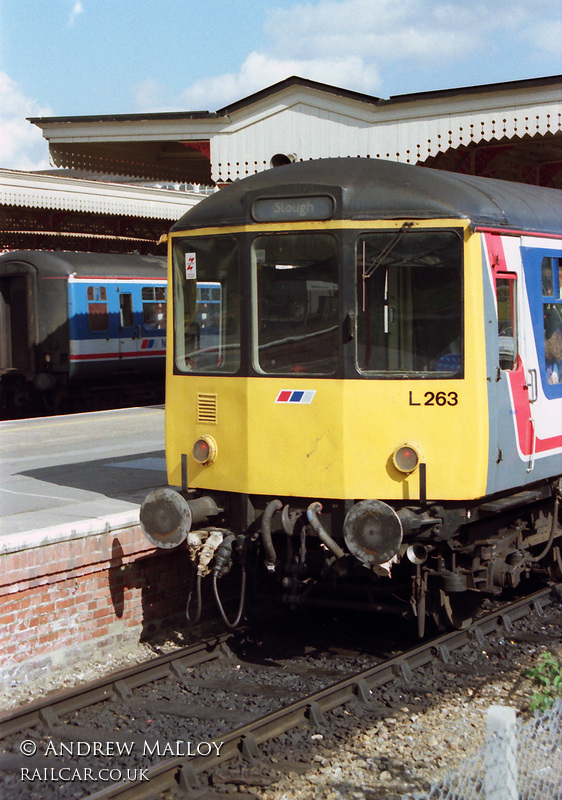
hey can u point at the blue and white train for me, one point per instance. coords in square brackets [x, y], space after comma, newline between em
[76, 325]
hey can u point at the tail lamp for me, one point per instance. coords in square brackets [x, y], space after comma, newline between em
[204, 450]
[406, 457]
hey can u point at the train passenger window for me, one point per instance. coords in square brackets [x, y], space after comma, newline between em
[206, 285]
[551, 269]
[97, 293]
[208, 314]
[98, 317]
[295, 300]
[506, 288]
[126, 310]
[154, 307]
[409, 303]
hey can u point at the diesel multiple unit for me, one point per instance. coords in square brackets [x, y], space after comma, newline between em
[369, 400]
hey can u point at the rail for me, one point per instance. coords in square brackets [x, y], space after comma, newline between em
[245, 740]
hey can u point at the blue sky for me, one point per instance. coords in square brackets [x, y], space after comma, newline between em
[90, 57]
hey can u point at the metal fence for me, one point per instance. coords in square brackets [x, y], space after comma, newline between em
[520, 761]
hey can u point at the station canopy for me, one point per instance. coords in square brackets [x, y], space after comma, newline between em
[48, 211]
[506, 130]
[167, 148]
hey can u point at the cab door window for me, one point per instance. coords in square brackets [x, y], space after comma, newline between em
[506, 293]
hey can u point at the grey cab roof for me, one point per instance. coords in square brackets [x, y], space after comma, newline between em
[375, 189]
[61, 263]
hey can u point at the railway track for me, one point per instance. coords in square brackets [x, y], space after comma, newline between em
[233, 707]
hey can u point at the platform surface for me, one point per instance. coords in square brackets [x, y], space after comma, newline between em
[77, 472]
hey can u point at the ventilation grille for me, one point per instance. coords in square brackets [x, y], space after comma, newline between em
[207, 408]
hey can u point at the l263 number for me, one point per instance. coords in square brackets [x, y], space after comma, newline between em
[436, 399]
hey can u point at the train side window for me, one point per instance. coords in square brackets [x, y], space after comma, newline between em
[154, 307]
[551, 271]
[126, 310]
[506, 293]
[98, 317]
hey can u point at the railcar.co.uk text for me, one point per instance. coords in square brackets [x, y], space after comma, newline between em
[177, 749]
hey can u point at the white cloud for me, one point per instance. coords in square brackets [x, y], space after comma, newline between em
[356, 43]
[382, 31]
[545, 37]
[257, 72]
[21, 144]
[260, 70]
[150, 94]
[77, 9]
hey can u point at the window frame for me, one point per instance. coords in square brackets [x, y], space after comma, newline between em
[180, 245]
[551, 307]
[457, 368]
[298, 370]
[98, 313]
[512, 281]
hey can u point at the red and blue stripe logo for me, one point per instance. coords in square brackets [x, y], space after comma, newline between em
[150, 344]
[303, 397]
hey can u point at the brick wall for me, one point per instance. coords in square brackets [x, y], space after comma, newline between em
[60, 596]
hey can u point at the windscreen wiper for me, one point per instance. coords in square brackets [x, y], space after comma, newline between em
[386, 251]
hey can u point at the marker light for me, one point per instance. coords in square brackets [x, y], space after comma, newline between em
[204, 450]
[406, 458]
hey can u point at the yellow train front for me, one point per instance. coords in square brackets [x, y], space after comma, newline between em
[346, 377]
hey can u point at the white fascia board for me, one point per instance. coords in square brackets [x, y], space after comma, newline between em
[40, 191]
[513, 102]
[157, 130]
[294, 97]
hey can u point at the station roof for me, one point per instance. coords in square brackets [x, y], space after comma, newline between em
[511, 130]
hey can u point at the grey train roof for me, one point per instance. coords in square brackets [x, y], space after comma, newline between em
[375, 189]
[61, 262]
